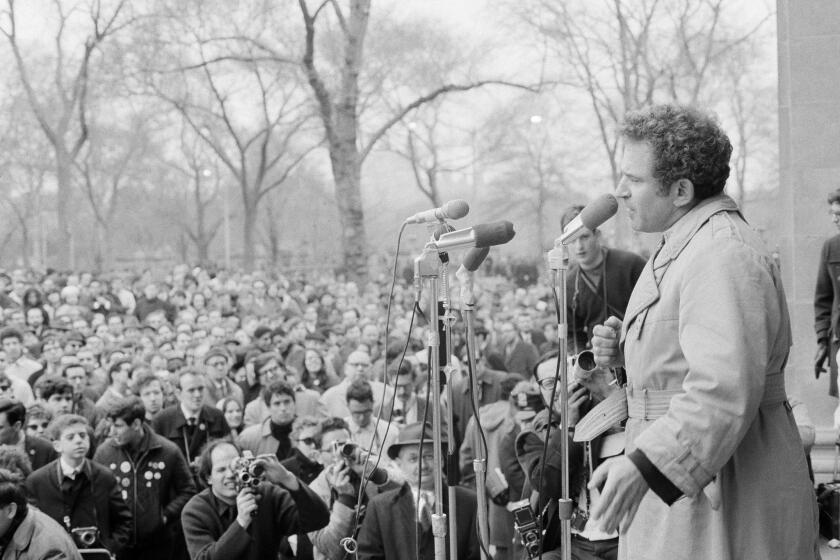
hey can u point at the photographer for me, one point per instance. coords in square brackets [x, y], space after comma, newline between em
[587, 389]
[338, 485]
[233, 519]
[78, 493]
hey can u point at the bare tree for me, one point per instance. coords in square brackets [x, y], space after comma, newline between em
[625, 55]
[108, 164]
[62, 107]
[340, 107]
[255, 120]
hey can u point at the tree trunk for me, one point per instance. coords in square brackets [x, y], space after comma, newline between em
[347, 173]
[249, 223]
[64, 242]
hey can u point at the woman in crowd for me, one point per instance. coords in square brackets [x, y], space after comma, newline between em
[315, 374]
[232, 410]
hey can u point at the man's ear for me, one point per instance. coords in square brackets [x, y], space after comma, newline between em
[137, 424]
[682, 191]
[13, 507]
[57, 446]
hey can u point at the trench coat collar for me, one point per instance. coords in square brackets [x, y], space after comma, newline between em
[674, 240]
[678, 235]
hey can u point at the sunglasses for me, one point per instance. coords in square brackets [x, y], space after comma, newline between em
[41, 426]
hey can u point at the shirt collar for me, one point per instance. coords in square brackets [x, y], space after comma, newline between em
[680, 233]
[187, 415]
[67, 470]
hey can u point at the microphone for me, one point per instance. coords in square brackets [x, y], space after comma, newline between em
[474, 258]
[480, 236]
[452, 210]
[591, 217]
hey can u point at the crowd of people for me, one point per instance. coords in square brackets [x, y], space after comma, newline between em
[128, 382]
[222, 414]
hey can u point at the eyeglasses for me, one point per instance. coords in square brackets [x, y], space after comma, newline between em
[308, 441]
[334, 446]
[37, 426]
[547, 383]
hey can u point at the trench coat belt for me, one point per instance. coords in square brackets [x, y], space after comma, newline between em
[650, 404]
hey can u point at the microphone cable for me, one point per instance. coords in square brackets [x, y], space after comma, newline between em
[367, 474]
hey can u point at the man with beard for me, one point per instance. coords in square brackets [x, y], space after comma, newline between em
[154, 476]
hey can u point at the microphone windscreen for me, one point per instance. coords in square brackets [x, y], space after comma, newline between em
[598, 211]
[455, 209]
[497, 233]
[474, 258]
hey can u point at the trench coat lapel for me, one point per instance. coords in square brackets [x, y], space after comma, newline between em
[645, 294]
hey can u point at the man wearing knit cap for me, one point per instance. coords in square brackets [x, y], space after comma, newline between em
[217, 362]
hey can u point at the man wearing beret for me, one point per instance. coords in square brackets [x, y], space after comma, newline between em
[398, 519]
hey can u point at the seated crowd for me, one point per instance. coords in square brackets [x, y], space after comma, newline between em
[131, 411]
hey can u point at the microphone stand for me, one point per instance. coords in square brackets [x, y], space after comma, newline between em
[480, 461]
[558, 263]
[453, 475]
[427, 267]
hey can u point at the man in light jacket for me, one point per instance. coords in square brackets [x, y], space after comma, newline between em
[714, 465]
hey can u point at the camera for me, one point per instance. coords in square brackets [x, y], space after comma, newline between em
[526, 525]
[354, 455]
[85, 537]
[248, 472]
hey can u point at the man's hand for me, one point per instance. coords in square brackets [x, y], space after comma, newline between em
[338, 477]
[605, 343]
[276, 473]
[577, 396]
[820, 358]
[246, 507]
[623, 490]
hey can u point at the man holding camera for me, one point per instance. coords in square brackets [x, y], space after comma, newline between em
[243, 514]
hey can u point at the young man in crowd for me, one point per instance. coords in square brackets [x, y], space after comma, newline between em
[12, 420]
[227, 521]
[119, 374]
[159, 481]
[150, 389]
[19, 367]
[273, 434]
[77, 376]
[364, 428]
[83, 496]
[190, 424]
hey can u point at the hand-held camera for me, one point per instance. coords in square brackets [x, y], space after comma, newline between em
[85, 537]
[354, 455]
[247, 471]
[526, 525]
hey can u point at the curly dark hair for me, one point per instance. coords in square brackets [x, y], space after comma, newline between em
[686, 143]
[834, 197]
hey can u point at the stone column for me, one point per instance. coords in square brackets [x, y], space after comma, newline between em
[809, 166]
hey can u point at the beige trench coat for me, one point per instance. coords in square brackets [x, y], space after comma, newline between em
[708, 318]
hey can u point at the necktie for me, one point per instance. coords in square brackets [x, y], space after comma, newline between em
[191, 424]
[424, 515]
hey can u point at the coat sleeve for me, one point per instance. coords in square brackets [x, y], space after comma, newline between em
[823, 296]
[183, 487]
[301, 510]
[370, 542]
[203, 543]
[729, 319]
[328, 539]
